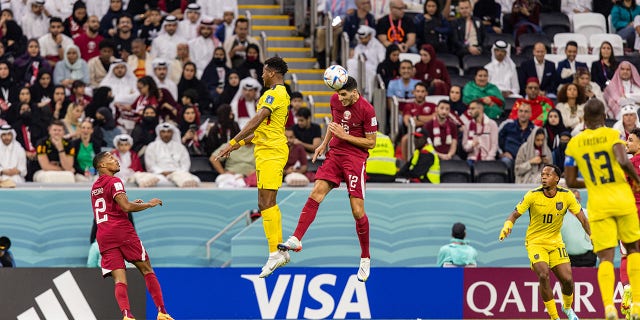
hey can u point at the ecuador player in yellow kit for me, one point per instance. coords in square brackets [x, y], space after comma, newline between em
[600, 155]
[266, 131]
[547, 206]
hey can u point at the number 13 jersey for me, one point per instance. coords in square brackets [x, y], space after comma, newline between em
[114, 227]
[592, 152]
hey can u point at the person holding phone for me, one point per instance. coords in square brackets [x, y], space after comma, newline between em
[532, 156]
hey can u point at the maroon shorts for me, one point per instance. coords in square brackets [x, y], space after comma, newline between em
[352, 170]
[114, 258]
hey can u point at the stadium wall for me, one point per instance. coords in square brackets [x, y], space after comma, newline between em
[51, 227]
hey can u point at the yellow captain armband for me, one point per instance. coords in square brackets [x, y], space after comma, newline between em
[233, 142]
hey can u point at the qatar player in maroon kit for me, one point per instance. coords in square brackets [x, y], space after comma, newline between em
[349, 136]
[117, 239]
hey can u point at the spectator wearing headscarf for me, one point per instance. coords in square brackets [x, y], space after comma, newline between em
[432, 28]
[145, 131]
[122, 82]
[373, 52]
[624, 84]
[627, 119]
[189, 25]
[245, 100]
[165, 45]
[554, 127]
[215, 73]
[72, 68]
[29, 65]
[223, 130]
[432, 71]
[168, 158]
[188, 80]
[13, 159]
[75, 22]
[481, 88]
[13, 39]
[106, 127]
[202, 47]
[251, 66]
[389, 68]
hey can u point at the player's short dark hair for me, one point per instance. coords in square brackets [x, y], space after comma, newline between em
[107, 43]
[350, 85]
[458, 230]
[52, 20]
[98, 159]
[556, 169]
[421, 84]
[277, 64]
[636, 132]
[304, 112]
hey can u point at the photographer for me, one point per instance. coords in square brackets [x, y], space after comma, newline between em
[189, 127]
[6, 258]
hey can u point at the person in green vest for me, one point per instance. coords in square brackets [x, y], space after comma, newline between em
[424, 165]
[381, 164]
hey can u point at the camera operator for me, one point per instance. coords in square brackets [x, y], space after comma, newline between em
[6, 258]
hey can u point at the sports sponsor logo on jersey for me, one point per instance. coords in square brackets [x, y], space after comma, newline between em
[347, 115]
[118, 186]
[374, 121]
[269, 99]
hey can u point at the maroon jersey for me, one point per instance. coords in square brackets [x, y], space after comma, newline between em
[114, 227]
[423, 109]
[357, 120]
[635, 160]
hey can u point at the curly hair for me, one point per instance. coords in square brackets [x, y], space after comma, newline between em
[562, 94]
[277, 64]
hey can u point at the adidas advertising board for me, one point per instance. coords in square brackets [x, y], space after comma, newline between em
[65, 294]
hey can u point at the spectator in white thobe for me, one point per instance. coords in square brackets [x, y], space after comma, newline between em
[34, 23]
[13, 159]
[374, 53]
[502, 70]
[160, 71]
[165, 44]
[188, 27]
[201, 48]
[168, 158]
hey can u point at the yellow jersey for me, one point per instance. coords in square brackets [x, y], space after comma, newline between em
[592, 152]
[270, 133]
[546, 215]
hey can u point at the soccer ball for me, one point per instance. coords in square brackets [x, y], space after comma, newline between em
[335, 77]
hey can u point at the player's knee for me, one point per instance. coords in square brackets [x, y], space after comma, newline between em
[357, 213]
[543, 275]
[567, 283]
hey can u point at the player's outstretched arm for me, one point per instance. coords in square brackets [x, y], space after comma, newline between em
[137, 205]
[508, 225]
[584, 221]
[248, 130]
[627, 166]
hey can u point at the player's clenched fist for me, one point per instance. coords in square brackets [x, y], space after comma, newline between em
[506, 230]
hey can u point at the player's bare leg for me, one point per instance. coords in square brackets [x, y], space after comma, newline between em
[542, 271]
[153, 286]
[362, 229]
[606, 282]
[633, 270]
[564, 275]
[272, 224]
[122, 297]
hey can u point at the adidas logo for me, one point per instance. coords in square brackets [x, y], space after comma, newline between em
[51, 308]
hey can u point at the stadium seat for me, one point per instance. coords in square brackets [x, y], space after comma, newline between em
[435, 99]
[555, 58]
[508, 105]
[471, 63]
[587, 58]
[457, 80]
[455, 171]
[452, 62]
[595, 40]
[490, 172]
[553, 23]
[413, 57]
[518, 60]
[201, 167]
[491, 38]
[528, 40]
[560, 42]
[610, 28]
[589, 23]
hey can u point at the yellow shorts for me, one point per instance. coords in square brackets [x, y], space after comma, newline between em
[552, 255]
[606, 232]
[270, 164]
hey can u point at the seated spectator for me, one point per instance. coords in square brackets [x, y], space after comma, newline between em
[215, 73]
[251, 66]
[87, 145]
[55, 157]
[540, 105]
[458, 108]
[488, 11]
[295, 170]
[513, 133]
[140, 61]
[13, 159]
[624, 84]
[432, 28]
[109, 18]
[123, 84]
[575, 6]
[201, 48]
[297, 103]
[480, 139]
[226, 27]
[124, 36]
[571, 100]
[74, 24]
[559, 151]
[99, 65]
[164, 46]
[622, 15]
[13, 40]
[105, 127]
[144, 131]
[189, 126]
[554, 126]
[627, 120]
[88, 40]
[373, 52]
[360, 17]
[42, 90]
[381, 163]
[79, 94]
[237, 44]
[442, 132]
[6, 257]
[160, 70]
[567, 68]
[402, 88]
[149, 96]
[432, 71]
[541, 69]
[131, 169]
[389, 68]
[55, 43]
[168, 158]
[34, 21]
[577, 242]
[424, 165]
[307, 134]
[420, 110]
[27, 139]
[9, 93]
[72, 121]
[531, 158]
[243, 163]
[169, 109]
[188, 80]
[102, 97]
[467, 31]
[191, 19]
[602, 70]
[244, 102]
[458, 253]
[525, 18]
[396, 27]
[590, 88]
[29, 65]
[488, 93]
[502, 70]
[222, 131]
[229, 89]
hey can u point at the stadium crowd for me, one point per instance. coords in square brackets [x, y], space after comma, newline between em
[165, 81]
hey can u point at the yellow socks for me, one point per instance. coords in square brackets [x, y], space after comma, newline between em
[567, 301]
[551, 309]
[633, 270]
[272, 224]
[606, 279]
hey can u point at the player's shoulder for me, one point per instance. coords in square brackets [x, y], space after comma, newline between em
[563, 190]
[535, 191]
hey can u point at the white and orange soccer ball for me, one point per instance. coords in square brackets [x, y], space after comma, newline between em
[335, 77]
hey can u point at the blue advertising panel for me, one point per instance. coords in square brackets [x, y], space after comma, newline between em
[296, 293]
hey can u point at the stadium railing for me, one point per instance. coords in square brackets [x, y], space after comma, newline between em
[244, 216]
